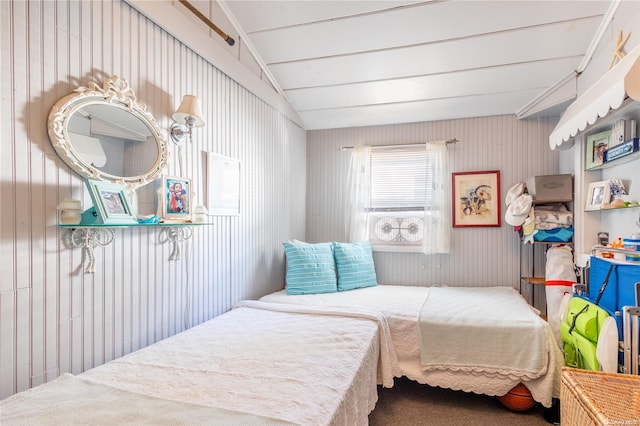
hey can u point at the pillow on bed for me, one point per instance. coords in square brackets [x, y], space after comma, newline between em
[354, 262]
[310, 268]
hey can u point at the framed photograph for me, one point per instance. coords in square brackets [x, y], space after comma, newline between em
[111, 203]
[597, 144]
[223, 185]
[599, 194]
[174, 202]
[476, 198]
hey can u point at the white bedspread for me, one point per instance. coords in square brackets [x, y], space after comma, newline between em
[274, 366]
[72, 400]
[401, 306]
[486, 330]
[387, 360]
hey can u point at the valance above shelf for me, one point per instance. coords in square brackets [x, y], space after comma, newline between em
[620, 83]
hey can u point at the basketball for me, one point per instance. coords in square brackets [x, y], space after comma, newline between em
[518, 399]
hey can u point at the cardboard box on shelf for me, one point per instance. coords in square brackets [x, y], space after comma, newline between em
[551, 188]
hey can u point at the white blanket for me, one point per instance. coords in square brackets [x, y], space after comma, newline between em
[72, 400]
[387, 360]
[401, 306]
[291, 367]
[484, 330]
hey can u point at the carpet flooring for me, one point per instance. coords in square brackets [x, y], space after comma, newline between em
[409, 403]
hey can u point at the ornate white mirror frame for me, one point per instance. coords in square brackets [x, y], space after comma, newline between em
[84, 103]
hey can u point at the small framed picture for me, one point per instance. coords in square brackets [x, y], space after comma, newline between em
[175, 199]
[111, 203]
[598, 195]
[597, 144]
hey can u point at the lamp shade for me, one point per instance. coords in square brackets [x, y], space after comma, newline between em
[190, 107]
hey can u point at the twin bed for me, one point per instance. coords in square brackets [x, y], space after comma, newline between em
[311, 359]
[484, 340]
[259, 364]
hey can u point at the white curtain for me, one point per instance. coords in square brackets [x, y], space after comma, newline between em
[438, 207]
[357, 197]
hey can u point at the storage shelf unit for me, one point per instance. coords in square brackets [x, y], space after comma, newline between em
[532, 258]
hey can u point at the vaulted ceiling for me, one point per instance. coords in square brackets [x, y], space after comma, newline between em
[357, 63]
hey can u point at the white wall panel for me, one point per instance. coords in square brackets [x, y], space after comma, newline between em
[479, 256]
[53, 317]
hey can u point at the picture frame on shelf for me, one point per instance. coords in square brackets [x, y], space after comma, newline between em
[175, 199]
[597, 144]
[111, 203]
[598, 195]
[476, 199]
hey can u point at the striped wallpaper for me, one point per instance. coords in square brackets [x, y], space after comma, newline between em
[479, 256]
[53, 317]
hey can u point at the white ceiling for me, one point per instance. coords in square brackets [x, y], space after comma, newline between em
[359, 63]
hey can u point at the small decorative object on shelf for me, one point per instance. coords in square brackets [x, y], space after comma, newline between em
[150, 219]
[617, 188]
[70, 211]
[603, 238]
[200, 214]
[621, 150]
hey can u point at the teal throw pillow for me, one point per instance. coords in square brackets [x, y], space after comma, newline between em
[354, 262]
[310, 268]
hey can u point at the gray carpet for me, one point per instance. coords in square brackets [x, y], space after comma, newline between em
[410, 403]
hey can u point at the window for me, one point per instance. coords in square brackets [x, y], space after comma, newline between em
[399, 188]
[398, 197]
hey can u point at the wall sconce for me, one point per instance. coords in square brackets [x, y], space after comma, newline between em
[189, 114]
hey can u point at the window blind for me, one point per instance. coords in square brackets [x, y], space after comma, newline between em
[400, 178]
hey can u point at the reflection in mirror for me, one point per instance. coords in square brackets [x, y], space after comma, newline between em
[112, 140]
[103, 133]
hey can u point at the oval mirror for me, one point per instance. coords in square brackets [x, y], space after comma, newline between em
[104, 133]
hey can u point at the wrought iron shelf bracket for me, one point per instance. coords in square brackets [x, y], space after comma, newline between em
[87, 238]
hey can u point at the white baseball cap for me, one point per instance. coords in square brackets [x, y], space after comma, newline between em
[518, 210]
[515, 191]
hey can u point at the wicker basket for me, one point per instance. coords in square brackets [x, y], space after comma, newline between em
[596, 398]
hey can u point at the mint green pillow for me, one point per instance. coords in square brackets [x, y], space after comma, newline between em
[311, 268]
[354, 262]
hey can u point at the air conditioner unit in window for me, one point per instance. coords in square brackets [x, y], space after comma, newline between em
[395, 230]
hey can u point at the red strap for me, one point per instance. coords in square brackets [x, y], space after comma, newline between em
[559, 282]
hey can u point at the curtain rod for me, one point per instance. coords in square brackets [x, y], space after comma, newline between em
[449, 142]
[208, 22]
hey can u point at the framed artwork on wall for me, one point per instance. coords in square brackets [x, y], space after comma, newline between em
[111, 203]
[174, 199]
[223, 185]
[476, 198]
[599, 194]
[597, 144]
